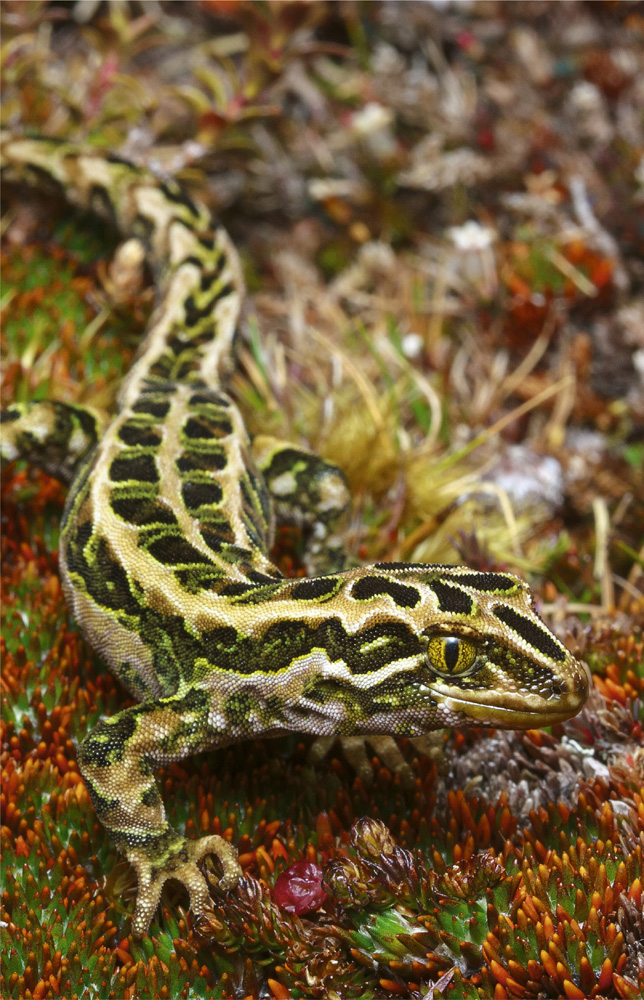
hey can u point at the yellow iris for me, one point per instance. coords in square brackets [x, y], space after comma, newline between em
[449, 654]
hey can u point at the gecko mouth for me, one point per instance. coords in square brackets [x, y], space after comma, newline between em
[516, 709]
[503, 717]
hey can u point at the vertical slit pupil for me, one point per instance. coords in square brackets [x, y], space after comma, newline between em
[451, 651]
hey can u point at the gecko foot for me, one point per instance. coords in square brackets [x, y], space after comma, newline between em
[180, 864]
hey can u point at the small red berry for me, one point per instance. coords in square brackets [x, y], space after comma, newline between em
[299, 888]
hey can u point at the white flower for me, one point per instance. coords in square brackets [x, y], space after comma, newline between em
[471, 236]
[472, 261]
[372, 124]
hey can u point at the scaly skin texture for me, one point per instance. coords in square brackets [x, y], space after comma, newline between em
[165, 565]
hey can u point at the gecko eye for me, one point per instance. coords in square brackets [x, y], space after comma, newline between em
[449, 654]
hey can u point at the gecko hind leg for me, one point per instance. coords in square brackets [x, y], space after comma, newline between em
[54, 436]
[311, 493]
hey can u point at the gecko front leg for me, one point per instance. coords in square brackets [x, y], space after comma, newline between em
[118, 760]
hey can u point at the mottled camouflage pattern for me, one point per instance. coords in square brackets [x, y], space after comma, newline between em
[165, 565]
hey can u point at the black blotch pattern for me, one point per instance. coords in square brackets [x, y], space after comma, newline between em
[177, 345]
[252, 517]
[402, 642]
[143, 511]
[153, 407]
[451, 598]
[192, 259]
[208, 398]
[145, 437]
[198, 578]
[107, 742]
[198, 461]
[87, 421]
[538, 637]
[254, 593]
[42, 178]
[150, 796]
[101, 204]
[141, 468]
[197, 494]
[314, 590]
[76, 561]
[283, 461]
[208, 278]
[188, 368]
[162, 367]
[257, 487]
[375, 586]
[194, 313]
[172, 550]
[261, 578]
[175, 193]
[10, 414]
[286, 639]
[224, 639]
[489, 582]
[113, 158]
[217, 532]
[203, 429]
[105, 578]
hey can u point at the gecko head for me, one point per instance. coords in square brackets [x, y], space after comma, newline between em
[482, 679]
[477, 654]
